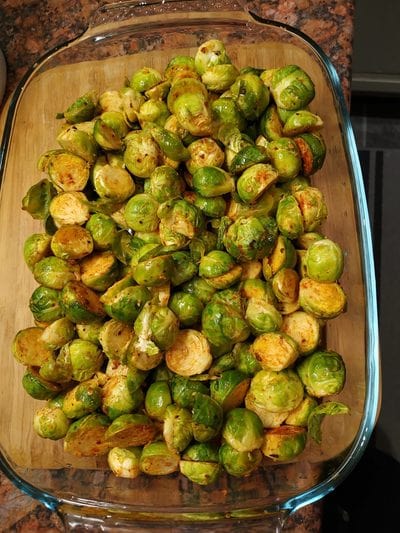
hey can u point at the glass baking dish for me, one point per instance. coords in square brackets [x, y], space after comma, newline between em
[120, 38]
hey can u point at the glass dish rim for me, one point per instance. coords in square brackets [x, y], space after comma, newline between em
[372, 386]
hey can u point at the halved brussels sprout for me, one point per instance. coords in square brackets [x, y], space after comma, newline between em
[51, 423]
[182, 217]
[193, 113]
[187, 307]
[244, 359]
[54, 273]
[37, 387]
[230, 389]
[68, 172]
[154, 271]
[158, 460]
[239, 463]
[282, 256]
[255, 180]
[322, 373]
[81, 304]
[177, 429]
[302, 121]
[210, 53]
[90, 331]
[71, 242]
[251, 237]
[141, 213]
[117, 398]
[124, 462]
[285, 157]
[199, 287]
[58, 333]
[219, 78]
[291, 87]
[324, 261]
[251, 270]
[103, 231]
[219, 269]
[243, 430]
[211, 181]
[115, 337]
[86, 436]
[144, 79]
[300, 415]
[251, 95]
[207, 418]
[307, 239]
[165, 184]
[275, 350]
[277, 392]
[226, 111]
[132, 429]
[285, 285]
[289, 217]
[201, 472]
[85, 358]
[158, 324]
[270, 124]
[112, 182]
[313, 151]
[127, 303]
[180, 66]
[83, 108]
[321, 299]
[264, 206]
[100, 270]
[36, 247]
[313, 207]
[204, 152]
[305, 329]
[82, 399]
[190, 354]
[141, 154]
[158, 398]
[143, 354]
[262, 316]
[78, 142]
[284, 443]
[44, 304]
[69, 208]
[153, 112]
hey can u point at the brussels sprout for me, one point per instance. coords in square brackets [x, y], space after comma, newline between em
[200, 472]
[219, 269]
[141, 154]
[112, 182]
[124, 462]
[131, 100]
[193, 113]
[181, 217]
[204, 152]
[296, 184]
[313, 151]
[141, 213]
[226, 111]
[28, 347]
[170, 143]
[321, 299]
[57, 369]
[135, 378]
[190, 353]
[177, 429]
[291, 87]
[219, 78]
[305, 329]
[184, 390]
[117, 398]
[158, 398]
[78, 142]
[143, 354]
[132, 429]
[127, 303]
[322, 373]
[50, 423]
[289, 217]
[100, 270]
[264, 206]
[230, 389]
[275, 350]
[90, 332]
[37, 387]
[154, 271]
[158, 460]
[262, 316]
[68, 172]
[285, 285]
[221, 364]
[307, 239]
[251, 270]
[270, 124]
[200, 288]
[300, 415]
[302, 121]
[71, 242]
[282, 256]
[251, 95]
[259, 289]
[324, 261]
[153, 113]
[212, 181]
[212, 207]
[284, 443]
[36, 247]
[86, 436]
[144, 79]
[255, 180]
[157, 323]
[313, 207]
[80, 304]
[58, 333]
[185, 86]
[114, 338]
[38, 199]
[276, 392]
[54, 273]
[187, 307]
[207, 418]
[210, 53]
[103, 231]
[268, 418]
[86, 358]
[245, 360]
[83, 108]
[183, 268]
[243, 430]
[83, 399]
[238, 463]
[44, 304]
[165, 184]
[125, 245]
[285, 157]
[69, 208]
[180, 66]
[251, 237]
[247, 157]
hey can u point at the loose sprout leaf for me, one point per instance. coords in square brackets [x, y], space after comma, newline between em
[318, 414]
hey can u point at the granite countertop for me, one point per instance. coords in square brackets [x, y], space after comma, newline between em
[28, 29]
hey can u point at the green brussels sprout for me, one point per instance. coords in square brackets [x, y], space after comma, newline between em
[245, 361]
[289, 217]
[143, 354]
[36, 247]
[193, 113]
[90, 332]
[170, 143]
[204, 152]
[165, 184]
[71, 242]
[313, 207]
[321, 299]
[275, 350]
[141, 213]
[200, 472]
[144, 79]
[127, 303]
[225, 111]
[285, 158]
[291, 87]
[251, 95]
[180, 66]
[112, 182]
[117, 399]
[230, 389]
[157, 323]
[86, 437]
[153, 113]
[182, 217]
[283, 255]
[80, 304]
[54, 272]
[262, 316]
[184, 86]
[284, 443]
[184, 390]
[285, 285]
[302, 121]
[177, 428]
[212, 181]
[200, 288]
[103, 231]
[313, 151]
[264, 206]
[324, 261]
[28, 347]
[303, 328]
[51, 423]
[38, 198]
[296, 184]
[277, 392]
[238, 463]
[221, 364]
[219, 269]
[57, 369]
[322, 373]
[100, 270]
[125, 245]
[300, 415]
[251, 270]
[83, 399]
[78, 142]
[247, 157]
[259, 289]
[202, 451]
[270, 124]
[187, 307]
[124, 462]
[158, 460]
[158, 398]
[219, 78]
[190, 354]
[135, 378]
[251, 237]
[69, 208]
[254, 181]
[207, 418]
[307, 239]
[58, 333]
[183, 268]
[82, 109]
[131, 429]
[243, 430]
[141, 153]
[44, 304]
[154, 271]
[68, 172]
[37, 387]
[114, 338]
[86, 358]
[131, 101]
[212, 207]
[210, 53]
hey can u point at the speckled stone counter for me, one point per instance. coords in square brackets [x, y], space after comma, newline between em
[28, 29]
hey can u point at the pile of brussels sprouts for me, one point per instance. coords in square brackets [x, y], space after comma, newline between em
[183, 279]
